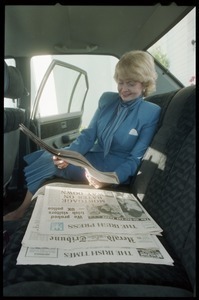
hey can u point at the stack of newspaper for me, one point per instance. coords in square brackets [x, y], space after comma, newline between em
[77, 225]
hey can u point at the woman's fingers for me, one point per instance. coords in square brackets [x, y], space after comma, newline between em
[92, 181]
[61, 164]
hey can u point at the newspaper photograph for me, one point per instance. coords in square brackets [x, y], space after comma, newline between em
[76, 210]
[72, 157]
[33, 238]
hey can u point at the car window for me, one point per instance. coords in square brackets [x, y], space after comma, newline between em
[63, 90]
[99, 69]
[176, 50]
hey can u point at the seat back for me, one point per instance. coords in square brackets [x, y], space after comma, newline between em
[13, 89]
[166, 179]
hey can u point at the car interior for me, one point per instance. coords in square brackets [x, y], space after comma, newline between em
[50, 87]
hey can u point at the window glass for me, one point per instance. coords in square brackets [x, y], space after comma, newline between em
[62, 86]
[177, 50]
[100, 70]
[80, 90]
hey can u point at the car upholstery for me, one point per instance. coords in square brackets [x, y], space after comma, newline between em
[165, 185]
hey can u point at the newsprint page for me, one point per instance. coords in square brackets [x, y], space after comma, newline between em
[71, 226]
[72, 157]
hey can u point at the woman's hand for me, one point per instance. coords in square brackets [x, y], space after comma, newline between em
[94, 182]
[61, 164]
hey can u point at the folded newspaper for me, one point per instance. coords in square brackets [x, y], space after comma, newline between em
[72, 157]
[72, 226]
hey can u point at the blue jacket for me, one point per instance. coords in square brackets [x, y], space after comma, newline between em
[130, 141]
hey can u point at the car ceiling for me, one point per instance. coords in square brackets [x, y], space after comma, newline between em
[59, 29]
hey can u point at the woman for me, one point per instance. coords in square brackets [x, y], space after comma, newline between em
[116, 138]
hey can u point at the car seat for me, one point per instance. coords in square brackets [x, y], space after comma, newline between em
[13, 89]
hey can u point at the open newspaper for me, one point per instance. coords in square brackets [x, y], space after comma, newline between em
[72, 157]
[71, 226]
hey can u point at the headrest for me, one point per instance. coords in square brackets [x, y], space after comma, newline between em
[13, 82]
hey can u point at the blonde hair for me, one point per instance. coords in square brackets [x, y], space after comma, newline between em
[137, 66]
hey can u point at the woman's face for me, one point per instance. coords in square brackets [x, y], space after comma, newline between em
[128, 89]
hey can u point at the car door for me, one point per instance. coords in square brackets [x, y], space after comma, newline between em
[58, 107]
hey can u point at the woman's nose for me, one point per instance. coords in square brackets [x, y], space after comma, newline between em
[125, 87]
